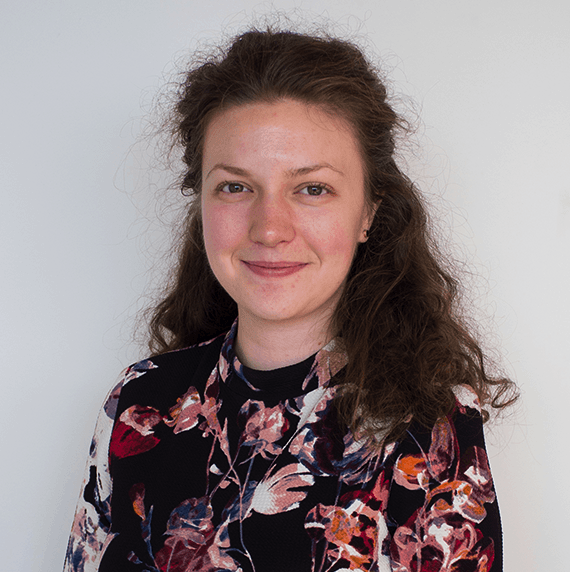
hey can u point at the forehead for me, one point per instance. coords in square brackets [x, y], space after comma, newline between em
[285, 129]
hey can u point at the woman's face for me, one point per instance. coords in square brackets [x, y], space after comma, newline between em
[283, 208]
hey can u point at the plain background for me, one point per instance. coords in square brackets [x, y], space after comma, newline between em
[79, 234]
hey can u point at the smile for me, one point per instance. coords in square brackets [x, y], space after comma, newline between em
[274, 269]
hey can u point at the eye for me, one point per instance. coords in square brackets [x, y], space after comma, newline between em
[232, 188]
[315, 190]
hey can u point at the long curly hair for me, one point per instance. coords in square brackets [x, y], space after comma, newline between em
[398, 317]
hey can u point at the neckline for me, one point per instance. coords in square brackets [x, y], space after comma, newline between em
[289, 378]
[281, 383]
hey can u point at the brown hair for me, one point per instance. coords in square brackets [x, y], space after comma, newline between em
[407, 346]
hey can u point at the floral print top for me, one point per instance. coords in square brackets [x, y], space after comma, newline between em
[200, 464]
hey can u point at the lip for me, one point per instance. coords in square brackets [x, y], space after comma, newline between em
[273, 269]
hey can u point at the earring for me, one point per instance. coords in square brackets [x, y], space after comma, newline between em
[366, 233]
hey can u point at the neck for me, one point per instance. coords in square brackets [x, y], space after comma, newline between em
[269, 345]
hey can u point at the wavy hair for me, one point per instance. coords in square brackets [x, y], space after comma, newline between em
[398, 315]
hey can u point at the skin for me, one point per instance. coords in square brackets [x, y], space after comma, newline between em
[283, 210]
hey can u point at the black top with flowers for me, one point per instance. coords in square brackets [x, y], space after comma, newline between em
[199, 463]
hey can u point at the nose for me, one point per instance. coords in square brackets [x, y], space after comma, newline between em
[271, 221]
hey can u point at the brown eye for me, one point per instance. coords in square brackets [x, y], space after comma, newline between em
[233, 188]
[314, 190]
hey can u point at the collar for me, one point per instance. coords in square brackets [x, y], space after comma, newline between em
[329, 360]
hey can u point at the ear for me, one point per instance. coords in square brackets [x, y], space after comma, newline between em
[368, 220]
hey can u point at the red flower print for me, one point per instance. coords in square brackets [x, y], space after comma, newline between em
[184, 415]
[440, 543]
[134, 432]
[441, 535]
[282, 491]
[263, 427]
[355, 533]
[474, 469]
[193, 544]
[410, 471]
[210, 407]
[442, 451]
[467, 496]
[136, 494]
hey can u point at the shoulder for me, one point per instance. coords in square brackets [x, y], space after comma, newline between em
[161, 379]
[442, 485]
[464, 421]
[152, 392]
[466, 399]
[439, 450]
[443, 459]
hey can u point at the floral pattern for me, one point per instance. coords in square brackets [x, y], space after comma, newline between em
[226, 476]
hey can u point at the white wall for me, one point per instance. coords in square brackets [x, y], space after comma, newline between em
[491, 81]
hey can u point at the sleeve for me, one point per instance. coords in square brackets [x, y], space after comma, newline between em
[90, 532]
[443, 508]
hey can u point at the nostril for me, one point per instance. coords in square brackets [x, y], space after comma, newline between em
[271, 225]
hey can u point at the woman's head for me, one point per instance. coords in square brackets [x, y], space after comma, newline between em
[327, 74]
[283, 212]
[406, 345]
[265, 66]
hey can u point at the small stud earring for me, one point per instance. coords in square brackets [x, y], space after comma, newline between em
[366, 233]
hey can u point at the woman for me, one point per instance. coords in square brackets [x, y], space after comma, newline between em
[322, 410]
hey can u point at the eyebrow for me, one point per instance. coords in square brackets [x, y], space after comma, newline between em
[291, 173]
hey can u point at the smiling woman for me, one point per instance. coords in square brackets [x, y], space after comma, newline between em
[323, 410]
[281, 238]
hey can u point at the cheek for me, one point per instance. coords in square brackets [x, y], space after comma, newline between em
[223, 231]
[214, 234]
[334, 238]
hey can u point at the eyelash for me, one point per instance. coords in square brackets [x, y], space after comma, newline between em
[221, 186]
[326, 190]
